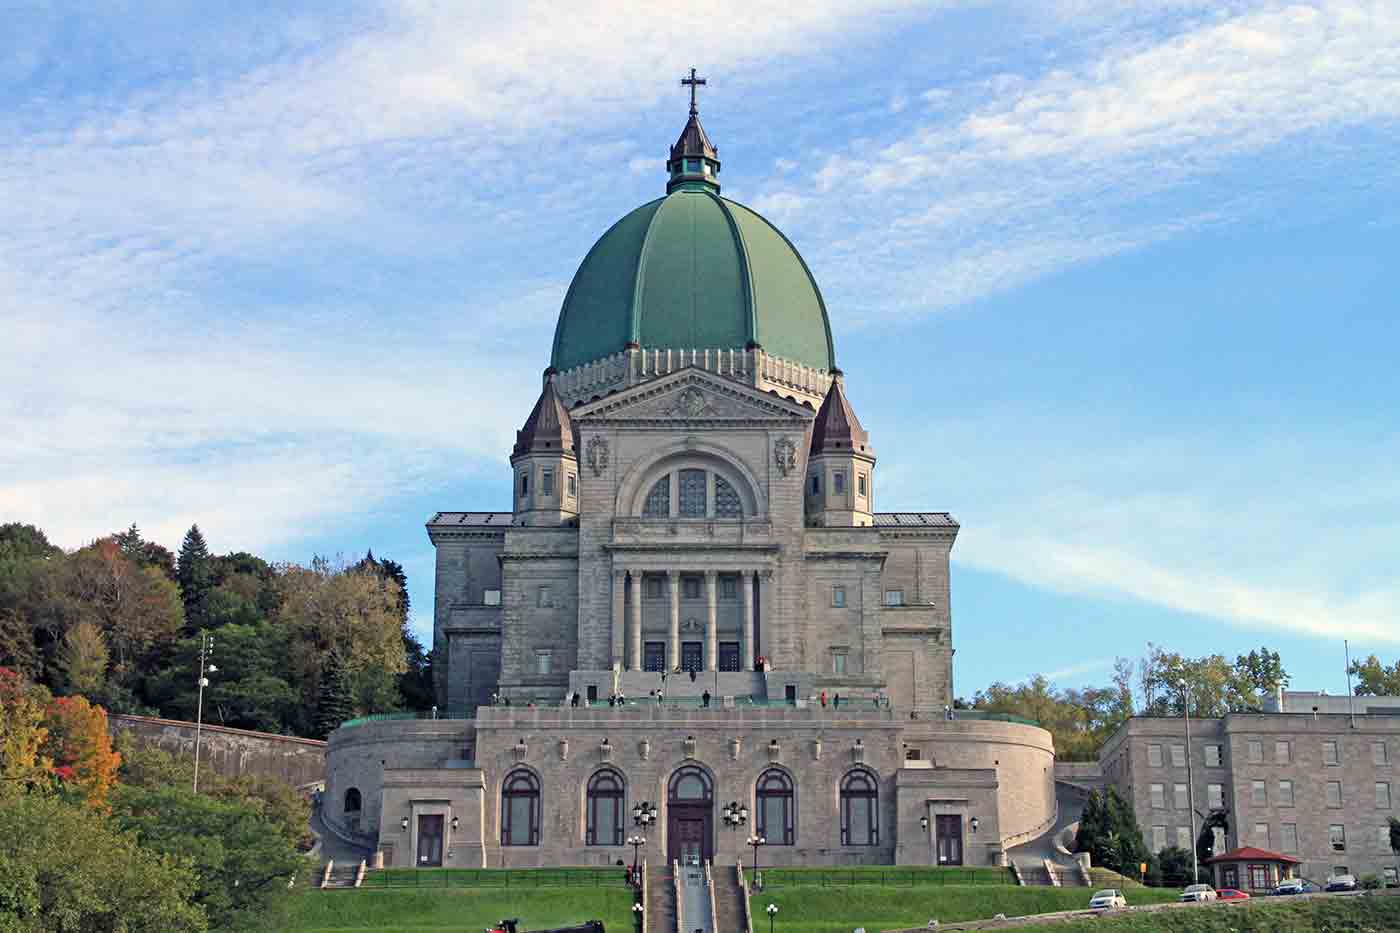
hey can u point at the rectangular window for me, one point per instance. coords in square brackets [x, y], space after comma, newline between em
[544, 599]
[524, 484]
[1283, 752]
[1285, 793]
[653, 587]
[1329, 753]
[1183, 838]
[838, 596]
[1382, 796]
[894, 597]
[1256, 752]
[1380, 755]
[1154, 756]
[838, 482]
[692, 588]
[490, 597]
[654, 656]
[860, 484]
[1158, 794]
[544, 662]
[546, 482]
[1288, 837]
[1159, 838]
[728, 588]
[1214, 759]
[573, 485]
[1259, 877]
[1261, 835]
[1215, 796]
[1257, 795]
[838, 662]
[1334, 794]
[816, 484]
[1337, 836]
[1178, 756]
[1179, 797]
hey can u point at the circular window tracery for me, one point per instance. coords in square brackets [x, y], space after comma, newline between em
[692, 493]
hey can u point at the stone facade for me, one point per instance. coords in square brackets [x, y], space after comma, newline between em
[229, 752]
[1287, 780]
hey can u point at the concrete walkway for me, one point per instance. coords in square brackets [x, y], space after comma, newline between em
[1030, 856]
[331, 846]
[697, 900]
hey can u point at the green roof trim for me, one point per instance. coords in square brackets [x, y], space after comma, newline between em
[693, 270]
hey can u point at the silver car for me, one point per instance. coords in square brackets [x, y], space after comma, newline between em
[1108, 899]
[1198, 892]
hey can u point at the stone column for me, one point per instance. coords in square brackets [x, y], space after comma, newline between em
[635, 594]
[748, 650]
[674, 653]
[617, 652]
[711, 621]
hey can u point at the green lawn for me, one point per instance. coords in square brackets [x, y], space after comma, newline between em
[886, 875]
[495, 877]
[405, 910]
[1281, 915]
[822, 908]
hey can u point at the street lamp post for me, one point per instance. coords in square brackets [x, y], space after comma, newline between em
[206, 667]
[637, 911]
[923, 825]
[755, 840]
[1190, 785]
[772, 912]
[636, 842]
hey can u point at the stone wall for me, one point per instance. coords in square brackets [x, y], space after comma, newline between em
[231, 752]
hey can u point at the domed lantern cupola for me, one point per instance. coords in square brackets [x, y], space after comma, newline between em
[545, 462]
[694, 160]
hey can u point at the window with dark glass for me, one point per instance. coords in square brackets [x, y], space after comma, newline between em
[728, 588]
[524, 484]
[838, 482]
[520, 810]
[727, 503]
[692, 493]
[691, 586]
[573, 485]
[605, 806]
[774, 795]
[860, 818]
[816, 484]
[860, 484]
[658, 504]
[546, 482]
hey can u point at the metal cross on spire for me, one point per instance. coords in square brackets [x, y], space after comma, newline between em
[693, 82]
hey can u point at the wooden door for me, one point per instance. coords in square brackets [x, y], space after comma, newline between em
[948, 839]
[692, 653]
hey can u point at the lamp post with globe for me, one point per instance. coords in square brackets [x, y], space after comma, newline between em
[636, 842]
[772, 912]
[637, 911]
[755, 840]
[206, 667]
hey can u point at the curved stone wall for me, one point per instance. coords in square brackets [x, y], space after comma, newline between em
[230, 752]
[357, 756]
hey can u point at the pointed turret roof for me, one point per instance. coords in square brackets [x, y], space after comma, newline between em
[548, 427]
[694, 161]
[836, 426]
[694, 141]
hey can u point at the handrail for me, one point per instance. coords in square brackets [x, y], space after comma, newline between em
[680, 896]
[710, 886]
[744, 891]
[469, 713]
[646, 904]
[326, 873]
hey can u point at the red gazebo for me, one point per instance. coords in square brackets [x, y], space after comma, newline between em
[1251, 869]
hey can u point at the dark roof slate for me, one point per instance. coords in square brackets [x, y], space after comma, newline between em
[836, 426]
[472, 518]
[694, 141]
[914, 520]
[548, 427]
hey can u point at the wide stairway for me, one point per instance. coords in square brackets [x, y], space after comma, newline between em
[696, 894]
[729, 901]
[661, 901]
[640, 686]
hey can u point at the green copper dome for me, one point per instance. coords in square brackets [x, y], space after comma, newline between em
[688, 271]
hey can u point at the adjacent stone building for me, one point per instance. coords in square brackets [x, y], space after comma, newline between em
[693, 527]
[1319, 787]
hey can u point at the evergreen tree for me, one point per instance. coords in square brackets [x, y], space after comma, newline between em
[1109, 832]
[194, 574]
[336, 702]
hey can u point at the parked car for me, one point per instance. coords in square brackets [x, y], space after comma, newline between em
[1107, 899]
[1341, 883]
[1198, 892]
[1231, 894]
[1296, 886]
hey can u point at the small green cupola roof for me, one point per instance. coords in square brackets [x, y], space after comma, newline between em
[694, 160]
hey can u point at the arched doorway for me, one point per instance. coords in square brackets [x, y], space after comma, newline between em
[690, 803]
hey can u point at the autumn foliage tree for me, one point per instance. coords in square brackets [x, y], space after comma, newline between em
[80, 748]
[23, 765]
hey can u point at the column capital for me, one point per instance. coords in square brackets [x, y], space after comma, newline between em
[711, 575]
[674, 576]
[619, 574]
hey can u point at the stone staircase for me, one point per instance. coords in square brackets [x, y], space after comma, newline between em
[638, 686]
[729, 902]
[340, 875]
[661, 901]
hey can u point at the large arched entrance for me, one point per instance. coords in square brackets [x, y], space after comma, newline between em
[690, 831]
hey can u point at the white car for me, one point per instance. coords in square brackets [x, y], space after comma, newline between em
[1198, 892]
[1107, 899]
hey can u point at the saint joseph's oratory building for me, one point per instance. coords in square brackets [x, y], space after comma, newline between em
[693, 529]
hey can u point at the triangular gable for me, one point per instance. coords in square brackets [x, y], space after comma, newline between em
[693, 395]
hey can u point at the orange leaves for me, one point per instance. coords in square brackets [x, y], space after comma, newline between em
[81, 748]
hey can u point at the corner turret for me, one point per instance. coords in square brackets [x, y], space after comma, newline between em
[545, 463]
[694, 161]
[840, 489]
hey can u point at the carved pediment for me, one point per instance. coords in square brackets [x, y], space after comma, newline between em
[693, 395]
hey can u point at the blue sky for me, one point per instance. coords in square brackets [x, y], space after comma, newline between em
[1114, 282]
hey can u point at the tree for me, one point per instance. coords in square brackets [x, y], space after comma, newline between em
[336, 700]
[1395, 836]
[1260, 673]
[195, 576]
[1109, 832]
[137, 608]
[241, 861]
[23, 766]
[65, 868]
[1174, 867]
[1375, 679]
[25, 542]
[249, 690]
[82, 657]
[1214, 685]
[145, 553]
[80, 747]
[1079, 719]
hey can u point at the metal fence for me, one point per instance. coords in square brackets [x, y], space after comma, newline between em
[891, 877]
[496, 878]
